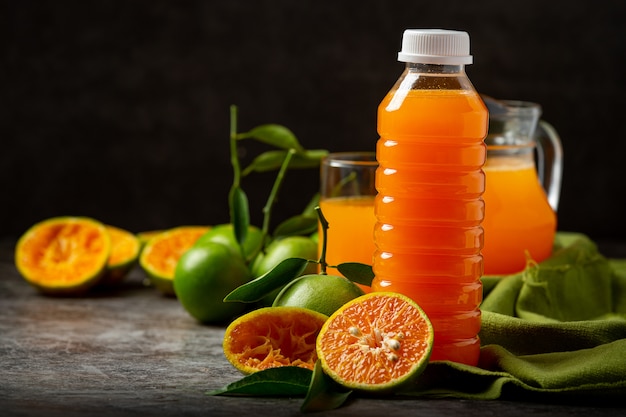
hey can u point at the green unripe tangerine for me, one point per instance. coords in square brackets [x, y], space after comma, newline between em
[279, 250]
[224, 234]
[321, 293]
[288, 247]
[204, 275]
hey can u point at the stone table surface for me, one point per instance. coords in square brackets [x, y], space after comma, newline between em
[134, 352]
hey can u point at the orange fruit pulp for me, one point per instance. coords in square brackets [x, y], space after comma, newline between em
[270, 337]
[376, 342]
[518, 218]
[162, 252]
[429, 211]
[63, 255]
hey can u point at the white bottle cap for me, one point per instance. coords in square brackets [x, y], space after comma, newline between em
[435, 46]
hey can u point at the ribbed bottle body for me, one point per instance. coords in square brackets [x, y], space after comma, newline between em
[429, 210]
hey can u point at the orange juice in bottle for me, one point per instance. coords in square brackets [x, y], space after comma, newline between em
[429, 207]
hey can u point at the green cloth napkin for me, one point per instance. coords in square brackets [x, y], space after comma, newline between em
[556, 331]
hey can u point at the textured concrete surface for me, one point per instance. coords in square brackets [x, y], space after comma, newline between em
[134, 352]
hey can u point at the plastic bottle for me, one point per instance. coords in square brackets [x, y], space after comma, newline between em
[429, 207]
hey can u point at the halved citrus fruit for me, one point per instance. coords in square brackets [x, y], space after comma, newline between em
[161, 254]
[270, 337]
[125, 248]
[377, 342]
[63, 255]
[146, 235]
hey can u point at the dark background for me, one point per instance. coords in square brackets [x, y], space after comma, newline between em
[119, 110]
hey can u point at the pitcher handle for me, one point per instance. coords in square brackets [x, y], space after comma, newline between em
[550, 162]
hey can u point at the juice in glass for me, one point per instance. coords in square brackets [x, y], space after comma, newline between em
[429, 209]
[519, 222]
[347, 190]
[350, 235]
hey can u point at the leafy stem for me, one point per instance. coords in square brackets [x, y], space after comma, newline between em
[237, 198]
[267, 209]
[324, 227]
[290, 154]
[234, 160]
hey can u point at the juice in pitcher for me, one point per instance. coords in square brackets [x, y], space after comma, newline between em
[520, 206]
[519, 223]
[430, 182]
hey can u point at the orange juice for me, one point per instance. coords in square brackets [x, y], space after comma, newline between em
[350, 235]
[429, 209]
[519, 221]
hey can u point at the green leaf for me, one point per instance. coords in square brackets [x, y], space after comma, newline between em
[275, 135]
[310, 158]
[302, 224]
[280, 381]
[267, 161]
[309, 210]
[272, 160]
[281, 274]
[296, 225]
[323, 393]
[357, 272]
[240, 216]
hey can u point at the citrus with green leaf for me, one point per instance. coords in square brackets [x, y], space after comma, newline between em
[279, 250]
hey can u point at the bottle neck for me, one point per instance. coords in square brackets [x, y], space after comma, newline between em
[435, 68]
[418, 76]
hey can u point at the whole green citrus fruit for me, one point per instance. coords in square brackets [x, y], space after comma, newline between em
[321, 293]
[279, 250]
[288, 247]
[204, 275]
[224, 234]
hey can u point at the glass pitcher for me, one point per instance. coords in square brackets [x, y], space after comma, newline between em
[523, 180]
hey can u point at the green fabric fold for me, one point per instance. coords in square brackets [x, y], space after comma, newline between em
[556, 331]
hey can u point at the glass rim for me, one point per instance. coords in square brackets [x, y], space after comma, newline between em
[351, 159]
[506, 108]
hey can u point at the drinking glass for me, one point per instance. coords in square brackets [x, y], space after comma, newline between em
[347, 202]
